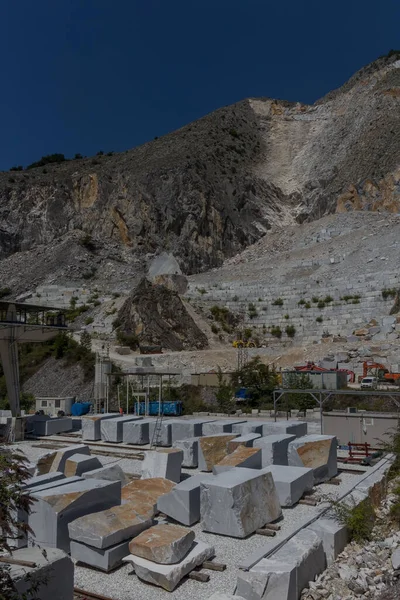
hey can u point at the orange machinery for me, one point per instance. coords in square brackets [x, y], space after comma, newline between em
[382, 372]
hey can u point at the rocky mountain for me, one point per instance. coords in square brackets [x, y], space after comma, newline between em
[207, 191]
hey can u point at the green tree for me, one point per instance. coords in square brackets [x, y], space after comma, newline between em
[224, 394]
[86, 341]
[14, 501]
[298, 381]
[259, 379]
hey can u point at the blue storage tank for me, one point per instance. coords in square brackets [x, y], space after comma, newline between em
[80, 408]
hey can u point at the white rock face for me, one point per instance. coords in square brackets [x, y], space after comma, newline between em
[317, 452]
[238, 501]
[165, 463]
[168, 576]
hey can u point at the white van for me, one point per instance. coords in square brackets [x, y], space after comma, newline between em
[369, 382]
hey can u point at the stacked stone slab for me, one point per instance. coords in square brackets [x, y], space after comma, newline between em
[212, 449]
[221, 426]
[241, 457]
[186, 428]
[109, 473]
[53, 509]
[252, 426]
[291, 482]
[274, 448]
[190, 449]
[238, 501]
[165, 462]
[297, 428]
[111, 430]
[146, 490]
[44, 425]
[101, 539]
[318, 452]
[91, 426]
[182, 503]
[168, 576]
[137, 432]
[287, 572]
[246, 439]
[39, 480]
[53, 570]
[163, 544]
[77, 464]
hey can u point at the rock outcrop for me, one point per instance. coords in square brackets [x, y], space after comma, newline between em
[157, 316]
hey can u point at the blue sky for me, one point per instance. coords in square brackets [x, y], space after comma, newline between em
[85, 75]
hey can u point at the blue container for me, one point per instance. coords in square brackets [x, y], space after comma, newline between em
[173, 408]
[80, 408]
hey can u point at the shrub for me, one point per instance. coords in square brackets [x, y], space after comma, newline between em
[319, 319]
[321, 304]
[17, 168]
[234, 133]
[359, 519]
[328, 299]
[45, 160]
[315, 299]
[276, 331]
[202, 291]
[235, 298]
[301, 302]
[277, 302]
[252, 311]
[290, 331]
[247, 333]
[286, 317]
[307, 305]
[388, 293]
[116, 295]
[78, 156]
[5, 291]
[355, 301]
[214, 329]
[100, 153]
[87, 242]
[89, 321]
[89, 274]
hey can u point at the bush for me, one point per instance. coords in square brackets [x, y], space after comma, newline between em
[214, 329]
[234, 133]
[290, 331]
[359, 519]
[355, 301]
[202, 291]
[88, 243]
[319, 319]
[277, 302]
[89, 274]
[6, 291]
[328, 299]
[89, 321]
[388, 293]
[276, 331]
[315, 299]
[301, 302]
[126, 339]
[286, 317]
[17, 168]
[307, 305]
[321, 304]
[252, 311]
[45, 160]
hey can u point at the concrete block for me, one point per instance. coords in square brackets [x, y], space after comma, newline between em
[34, 482]
[291, 482]
[165, 462]
[183, 502]
[190, 449]
[220, 426]
[212, 449]
[318, 452]
[55, 570]
[58, 463]
[297, 428]
[241, 457]
[238, 502]
[136, 432]
[268, 580]
[108, 473]
[54, 509]
[109, 527]
[77, 464]
[246, 439]
[54, 484]
[165, 434]
[163, 544]
[91, 425]
[168, 576]
[334, 537]
[274, 449]
[105, 559]
[111, 429]
[248, 427]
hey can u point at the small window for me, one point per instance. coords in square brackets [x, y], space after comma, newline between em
[44, 402]
[57, 404]
[368, 422]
